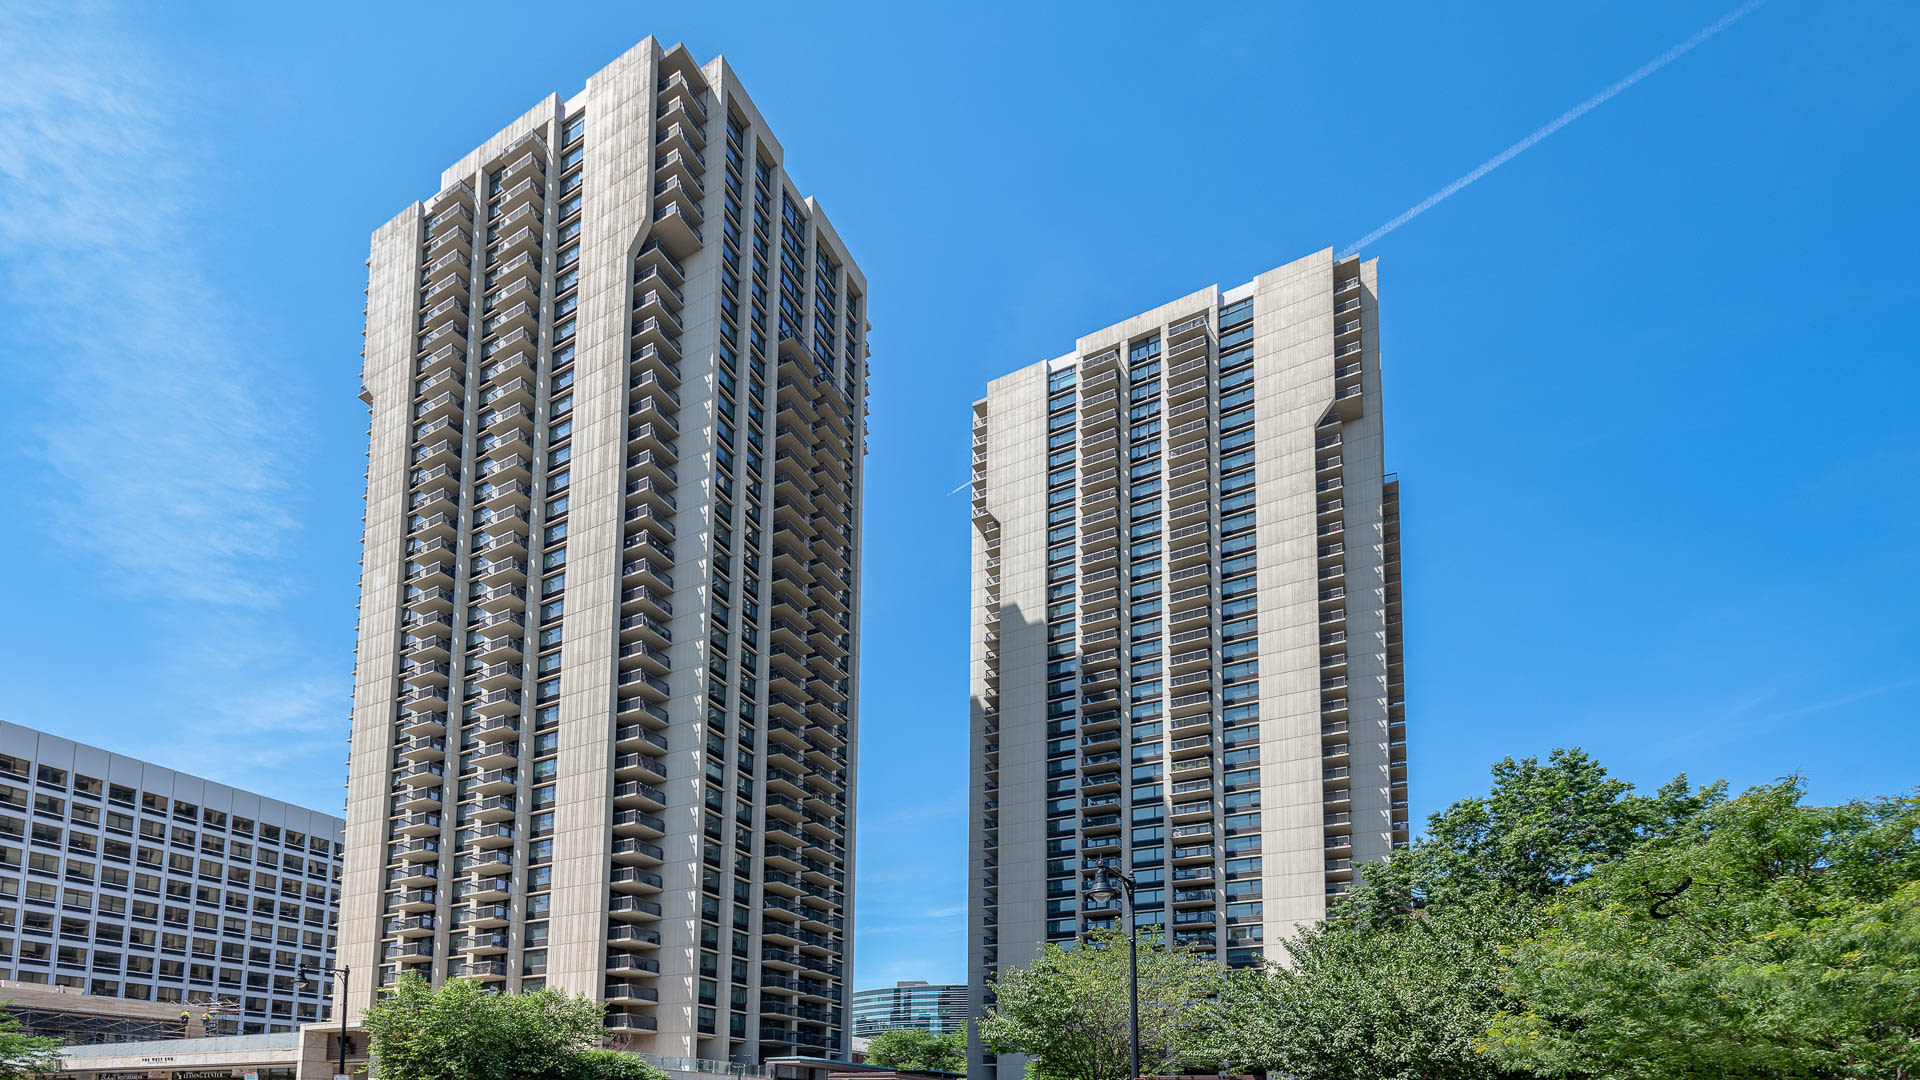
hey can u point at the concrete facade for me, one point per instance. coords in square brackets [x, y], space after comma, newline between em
[1187, 660]
[306, 1054]
[120, 879]
[604, 715]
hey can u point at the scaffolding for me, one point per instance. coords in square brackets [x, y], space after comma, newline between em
[81, 1027]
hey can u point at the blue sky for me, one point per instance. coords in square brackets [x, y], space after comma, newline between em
[1650, 385]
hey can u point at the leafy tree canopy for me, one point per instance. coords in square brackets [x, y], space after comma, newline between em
[461, 1031]
[1407, 1000]
[1541, 827]
[1404, 977]
[23, 1055]
[1560, 927]
[1778, 940]
[913, 1048]
[1069, 1009]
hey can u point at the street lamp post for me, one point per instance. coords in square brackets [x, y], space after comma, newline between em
[306, 975]
[1107, 883]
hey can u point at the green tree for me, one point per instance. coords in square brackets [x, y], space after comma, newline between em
[1407, 1000]
[1069, 1008]
[913, 1048]
[1403, 978]
[1779, 940]
[23, 1055]
[463, 1032]
[608, 1065]
[1540, 828]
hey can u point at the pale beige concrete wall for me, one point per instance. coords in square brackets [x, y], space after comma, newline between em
[617, 201]
[1293, 362]
[537, 120]
[393, 291]
[1364, 464]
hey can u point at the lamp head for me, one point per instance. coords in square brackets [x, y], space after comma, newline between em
[1103, 888]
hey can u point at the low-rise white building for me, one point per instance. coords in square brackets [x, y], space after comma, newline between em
[122, 879]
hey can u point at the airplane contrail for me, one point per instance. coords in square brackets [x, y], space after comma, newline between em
[957, 490]
[1557, 123]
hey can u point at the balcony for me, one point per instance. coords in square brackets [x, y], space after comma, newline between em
[635, 879]
[676, 226]
[651, 444]
[632, 850]
[490, 888]
[452, 208]
[425, 823]
[442, 262]
[422, 774]
[622, 1020]
[499, 650]
[622, 993]
[414, 875]
[416, 724]
[634, 908]
[639, 767]
[524, 241]
[639, 824]
[652, 255]
[1191, 615]
[627, 963]
[498, 702]
[410, 951]
[488, 943]
[499, 676]
[496, 755]
[676, 165]
[502, 544]
[528, 191]
[680, 105]
[415, 900]
[411, 926]
[424, 748]
[685, 137]
[1191, 507]
[636, 736]
[683, 192]
[528, 165]
[511, 354]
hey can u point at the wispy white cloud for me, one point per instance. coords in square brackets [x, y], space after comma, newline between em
[247, 711]
[153, 432]
[159, 446]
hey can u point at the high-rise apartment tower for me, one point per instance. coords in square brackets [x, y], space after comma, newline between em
[1186, 631]
[604, 708]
